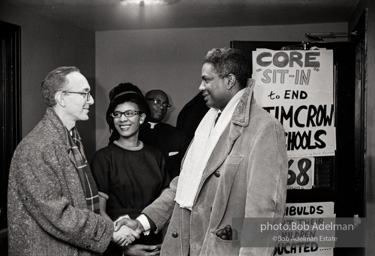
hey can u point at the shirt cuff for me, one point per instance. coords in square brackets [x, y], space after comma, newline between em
[145, 223]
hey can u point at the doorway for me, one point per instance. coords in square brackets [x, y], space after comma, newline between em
[10, 115]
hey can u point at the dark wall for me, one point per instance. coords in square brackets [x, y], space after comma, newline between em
[45, 45]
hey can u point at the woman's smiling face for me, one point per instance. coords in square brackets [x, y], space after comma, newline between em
[128, 127]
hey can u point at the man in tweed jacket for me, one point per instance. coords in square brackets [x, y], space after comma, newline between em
[52, 199]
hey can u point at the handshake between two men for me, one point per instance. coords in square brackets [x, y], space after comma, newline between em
[126, 232]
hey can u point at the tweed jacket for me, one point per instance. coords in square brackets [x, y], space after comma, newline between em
[47, 214]
[246, 176]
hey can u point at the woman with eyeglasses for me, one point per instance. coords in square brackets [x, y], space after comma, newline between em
[129, 174]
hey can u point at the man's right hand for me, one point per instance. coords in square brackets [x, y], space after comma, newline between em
[133, 224]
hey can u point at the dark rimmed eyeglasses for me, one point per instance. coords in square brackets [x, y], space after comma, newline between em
[159, 102]
[127, 113]
[87, 95]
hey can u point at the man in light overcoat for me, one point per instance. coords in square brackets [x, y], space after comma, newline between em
[235, 167]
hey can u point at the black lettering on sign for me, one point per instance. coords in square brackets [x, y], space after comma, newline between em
[303, 210]
[304, 115]
[305, 140]
[295, 95]
[291, 175]
[303, 166]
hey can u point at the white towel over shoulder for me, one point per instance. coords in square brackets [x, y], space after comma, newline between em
[205, 139]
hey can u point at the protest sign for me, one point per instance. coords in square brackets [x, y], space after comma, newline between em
[297, 88]
[307, 241]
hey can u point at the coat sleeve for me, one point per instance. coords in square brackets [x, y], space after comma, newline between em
[160, 211]
[40, 177]
[267, 184]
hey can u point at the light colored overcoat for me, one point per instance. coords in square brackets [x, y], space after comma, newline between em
[47, 213]
[246, 176]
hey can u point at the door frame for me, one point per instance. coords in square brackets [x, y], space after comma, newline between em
[10, 116]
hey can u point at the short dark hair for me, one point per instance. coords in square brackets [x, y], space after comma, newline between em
[124, 92]
[55, 81]
[229, 61]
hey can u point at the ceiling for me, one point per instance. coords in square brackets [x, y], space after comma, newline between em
[103, 15]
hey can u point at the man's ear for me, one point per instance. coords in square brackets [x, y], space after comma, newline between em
[59, 98]
[231, 81]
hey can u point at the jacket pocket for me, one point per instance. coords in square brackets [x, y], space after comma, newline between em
[220, 247]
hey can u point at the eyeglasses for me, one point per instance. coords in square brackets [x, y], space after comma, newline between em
[86, 94]
[159, 102]
[127, 113]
